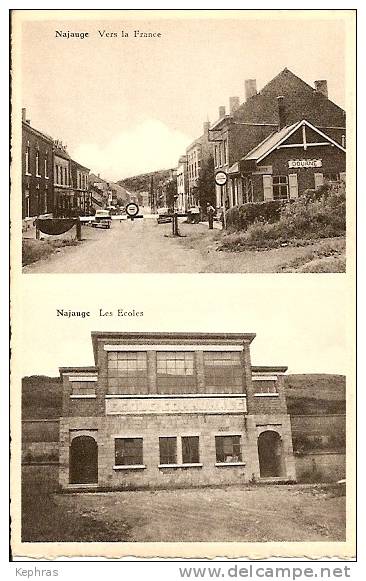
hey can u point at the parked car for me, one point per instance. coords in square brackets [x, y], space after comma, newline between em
[102, 219]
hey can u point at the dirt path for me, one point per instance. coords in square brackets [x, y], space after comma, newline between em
[271, 513]
[144, 246]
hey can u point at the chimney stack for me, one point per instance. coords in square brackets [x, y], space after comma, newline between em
[250, 88]
[234, 104]
[221, 111]
[206, 128]
[281, 112]
[24, 113]
[322, 87]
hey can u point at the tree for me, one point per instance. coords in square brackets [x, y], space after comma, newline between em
[171, 193]
[206, 184]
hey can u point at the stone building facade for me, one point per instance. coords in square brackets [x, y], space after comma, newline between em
[173, 410]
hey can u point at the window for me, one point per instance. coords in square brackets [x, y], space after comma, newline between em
[332, 177]
[223, 371]
[127, 372]
[168, 450]
[128, 452]
[280, 187]
[27, 204]
[175, 372]
[45, 204]
[27, 159]
[37, 163]
[83, 388]
[225, 151]
[228, 449]
[264, 386]
[46, 165]
[190, 450]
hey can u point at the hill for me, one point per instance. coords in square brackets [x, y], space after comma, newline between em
[142, 182]
[305, 394]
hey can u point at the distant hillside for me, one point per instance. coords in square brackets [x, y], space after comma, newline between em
[315, 393]
[305, 394]
[142, 182]
[41, 397]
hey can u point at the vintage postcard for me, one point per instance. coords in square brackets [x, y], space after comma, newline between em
[183, 244]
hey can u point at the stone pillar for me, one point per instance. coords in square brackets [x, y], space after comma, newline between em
[151, 372]
[200, 371]
[247, 377]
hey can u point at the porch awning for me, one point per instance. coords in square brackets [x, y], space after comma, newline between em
[234, 169]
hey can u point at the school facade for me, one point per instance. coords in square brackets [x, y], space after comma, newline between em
[160, 410]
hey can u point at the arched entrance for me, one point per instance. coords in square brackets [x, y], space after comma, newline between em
[270, 453]
[83, 460]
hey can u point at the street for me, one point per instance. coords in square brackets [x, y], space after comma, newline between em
[144, 246]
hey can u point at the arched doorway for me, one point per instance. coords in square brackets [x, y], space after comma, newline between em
[83, 460]
[270, 453]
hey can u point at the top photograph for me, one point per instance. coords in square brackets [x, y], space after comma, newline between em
[175, 143]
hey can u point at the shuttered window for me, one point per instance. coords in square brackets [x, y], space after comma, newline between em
[318, 180]
[267, 188]
[293, 186]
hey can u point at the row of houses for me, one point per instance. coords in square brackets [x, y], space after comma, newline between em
[282, 140]
[53, 184]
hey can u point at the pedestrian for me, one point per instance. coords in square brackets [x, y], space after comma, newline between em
[210, 213]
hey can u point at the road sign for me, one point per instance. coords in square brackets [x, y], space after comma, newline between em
[221, 178]
[132, 209]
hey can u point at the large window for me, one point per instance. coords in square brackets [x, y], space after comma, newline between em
[223, 372]
[46, 165]
[83, 388]
[27, 159]
[190, 450]
[280, 187]
[127, 372]
[264, 386]
[128, 452]
[168, 450]
[37, 163]
[228, 449]
[175, 372]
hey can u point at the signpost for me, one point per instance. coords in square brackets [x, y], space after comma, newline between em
[221, 180]
[132, 211]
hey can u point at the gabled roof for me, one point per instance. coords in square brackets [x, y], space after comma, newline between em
[274, 140]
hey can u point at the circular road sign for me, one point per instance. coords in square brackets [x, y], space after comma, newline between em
[132, 209]
[221, 178]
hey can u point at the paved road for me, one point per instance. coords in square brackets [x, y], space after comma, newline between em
[139, 246]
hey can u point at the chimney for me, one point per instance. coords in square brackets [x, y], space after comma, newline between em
[221, 111]
[206, 128]
[234, 104]
[250, 88]
[281, 112]
[322, 87]
[24, 113]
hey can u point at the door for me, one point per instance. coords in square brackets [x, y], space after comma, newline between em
[83, 460]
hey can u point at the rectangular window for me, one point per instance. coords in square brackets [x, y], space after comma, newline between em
[168, 450]
[228, 449]
[83, 387]
[175, 372]
[264, 386]
[223, 372]
[128, 452]
[37, 163]
[27, 159]
[46, 166]
[190, 450]
[127, 372]
[332, 177]
[280, 187]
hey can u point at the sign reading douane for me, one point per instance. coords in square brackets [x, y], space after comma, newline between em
[298, 163]
[221, 178]
[132, 209]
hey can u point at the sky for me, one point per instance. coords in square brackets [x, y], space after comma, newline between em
[130, 105]
[300, 320]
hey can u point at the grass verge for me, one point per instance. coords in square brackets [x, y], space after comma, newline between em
[34, 250]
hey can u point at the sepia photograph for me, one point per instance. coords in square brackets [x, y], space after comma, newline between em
[174, 144]
[140, 436]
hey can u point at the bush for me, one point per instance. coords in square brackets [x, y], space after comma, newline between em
[240, 217]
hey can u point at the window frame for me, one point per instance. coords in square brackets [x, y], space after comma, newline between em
[238, 462]
[180, 383]
[280, 185]
[234, 384]
[134, 383]
[134, 465]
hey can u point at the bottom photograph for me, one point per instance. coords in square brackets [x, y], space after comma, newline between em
[179, 437]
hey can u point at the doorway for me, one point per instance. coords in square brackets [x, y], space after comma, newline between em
[270, 453]
[83, 460]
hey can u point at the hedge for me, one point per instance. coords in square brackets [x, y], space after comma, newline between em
[240, 217]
